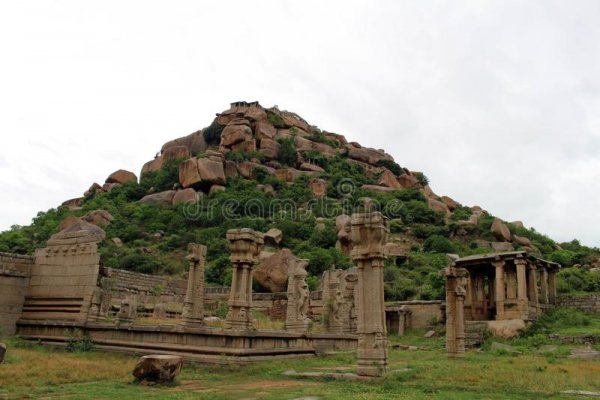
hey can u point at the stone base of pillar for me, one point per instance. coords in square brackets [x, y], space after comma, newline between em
[372, 354]
[297, 326]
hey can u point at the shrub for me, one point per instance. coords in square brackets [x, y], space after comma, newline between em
[391, 165]
[287, 151]
[438, 244]
[212, 134]
[276, 120]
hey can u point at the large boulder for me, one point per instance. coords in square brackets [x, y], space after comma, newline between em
[121, 176]
[388, 179]
[264, 130]
[366, 155]
[152, 166]
[254, 113]
[155, 369]
[272, 272]
[500, 230]
[522, 241]
[162, 198]
[176, 153]
[269, 148]
[78, 229]
[98, 217]
[451, 203]
[188, 195]
[201, 171]
[73, 204]
[194, 142]
[236, 131]
[438, 206]
[408, 181]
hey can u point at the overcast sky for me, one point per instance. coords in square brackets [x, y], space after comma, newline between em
[498, 102]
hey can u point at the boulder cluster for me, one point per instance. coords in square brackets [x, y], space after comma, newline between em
[257, 133]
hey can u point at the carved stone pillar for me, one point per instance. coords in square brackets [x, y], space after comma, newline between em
[297, 298]
[245, 245]
[532, 288]
[456, 290]
[193, 305]
[521, 265]
[369, 234]
[544, 285]
[499, 289]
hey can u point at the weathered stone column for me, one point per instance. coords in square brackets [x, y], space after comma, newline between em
[532, 288]
[297, 298]
[521, 265]
[369, 234]
[499, 288]
[544, 285]
[552, 286]
[456, 283]
[193, 305]
[245, 245]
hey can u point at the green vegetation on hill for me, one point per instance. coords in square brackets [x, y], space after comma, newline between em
[153, 238]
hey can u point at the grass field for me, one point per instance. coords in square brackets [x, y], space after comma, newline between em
[33, 371]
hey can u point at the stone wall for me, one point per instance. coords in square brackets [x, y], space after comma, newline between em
[590, 303]
[14, 278]
[148, 288]
[422, 312]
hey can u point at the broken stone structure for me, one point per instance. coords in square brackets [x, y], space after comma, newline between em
[456, 290]
[298, 298]
[65, 274]
[369, 234]
[245, 245]
[101, 299]
[193, 305]
[128, 310]
[503, 290]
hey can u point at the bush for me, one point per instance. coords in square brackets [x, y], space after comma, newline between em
[391, 165]
[212, 134]
[287, 151]
[438, 244]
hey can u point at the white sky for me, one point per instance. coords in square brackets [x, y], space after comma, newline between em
[498, 102]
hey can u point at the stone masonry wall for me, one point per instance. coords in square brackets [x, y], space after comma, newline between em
[589, 303]
[148, 288]
[14, 278]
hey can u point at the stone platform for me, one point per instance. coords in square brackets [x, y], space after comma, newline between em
[205, 345]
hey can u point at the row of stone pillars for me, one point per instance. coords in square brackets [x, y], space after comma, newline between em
[369, 235]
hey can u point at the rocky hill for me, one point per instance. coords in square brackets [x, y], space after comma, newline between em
[272, 171]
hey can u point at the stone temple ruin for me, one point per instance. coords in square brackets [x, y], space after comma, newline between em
[500, 291]
[63, 291]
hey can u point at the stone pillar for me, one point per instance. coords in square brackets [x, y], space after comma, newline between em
[369, 234]
[245, 245]
[333, 300]
[297, 298]
[348, 284]
[532, 289]
[511, 284]
[499, 289]
[552, 286]
[544, 285]
[193, 305]
[521, 265]
[456, 282]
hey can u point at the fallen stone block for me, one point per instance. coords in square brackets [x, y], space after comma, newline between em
[154, 369]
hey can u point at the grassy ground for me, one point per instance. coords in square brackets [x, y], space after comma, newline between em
[39, 372]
